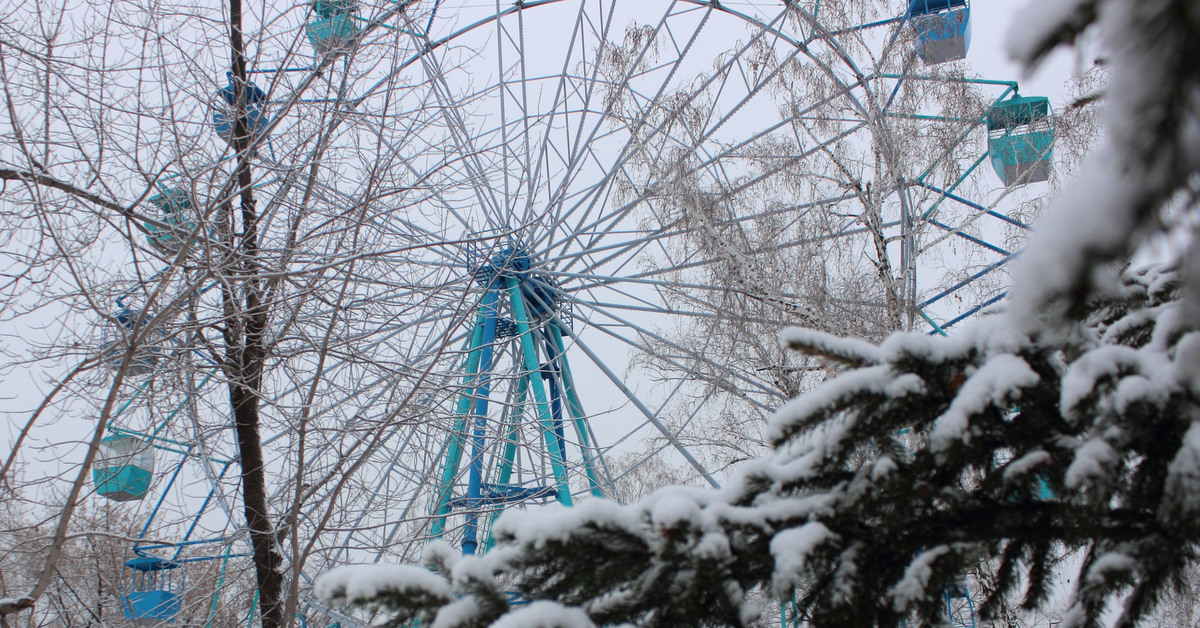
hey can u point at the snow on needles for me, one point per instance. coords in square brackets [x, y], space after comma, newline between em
[878, 380]
[848, 350]
[1150, 153]
[539, 527]
[790, 550]
[1183, 481]
[1040, 20]
[1145, 374]
[1029, 462]
[543, 614]
[1107, 564]
[1092, 460]
[916, 578]
[356, 584]
[992, 384]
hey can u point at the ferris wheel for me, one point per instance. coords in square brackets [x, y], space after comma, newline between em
[557, 227]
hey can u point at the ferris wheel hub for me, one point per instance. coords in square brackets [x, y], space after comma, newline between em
[543, 295]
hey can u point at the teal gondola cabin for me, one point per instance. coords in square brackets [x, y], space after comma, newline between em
[125, 468]
[117, 334]
[334, 26]
[175, 212]
[942, 29]
[153, 593]
[1021, 139]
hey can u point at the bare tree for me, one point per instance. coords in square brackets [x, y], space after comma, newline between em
[871, 201]
[156, 263]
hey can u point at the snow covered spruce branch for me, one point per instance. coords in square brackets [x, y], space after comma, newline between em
[885, 486]
[1138, 180]
[1026, 448]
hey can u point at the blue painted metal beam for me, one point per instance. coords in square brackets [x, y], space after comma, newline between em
[970, 238]
[993, 213]
[479, 402]
[576, 409]
[161, 498]
[508, 459]
[529, 358]
[550, 373]
[952, 289]
[969, 313]
[456, 440]
[196, 519]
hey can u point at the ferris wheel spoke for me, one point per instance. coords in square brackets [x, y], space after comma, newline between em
[621, 249]
[648, 277]
[976, 206]
[415, 366]
[987, 270]
[577, 147]
[412, 475]
[592, 281]
[645, 411]
[334, 197]
[420, 177]
[461, 142]
[539, 158]
[621, 213]
[637, 345]
[385, 382]
[625, 152]
[503, 94]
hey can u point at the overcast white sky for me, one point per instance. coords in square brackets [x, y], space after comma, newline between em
[990, 23]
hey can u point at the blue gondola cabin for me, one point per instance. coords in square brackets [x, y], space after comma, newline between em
[154, 591]
[175, 213]
[256, 119]
[1021, 139]
[124, 468]
[118, 333]
[942, 29]
[334, 26]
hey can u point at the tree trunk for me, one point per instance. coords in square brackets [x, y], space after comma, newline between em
[245, 349]
[268, 561]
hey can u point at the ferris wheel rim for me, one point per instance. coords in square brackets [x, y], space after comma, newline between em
[598, 220]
